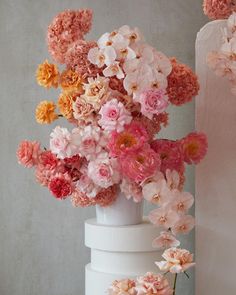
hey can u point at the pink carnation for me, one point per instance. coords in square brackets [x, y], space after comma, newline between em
[170, 153]
[131, 190]
[87, 186]
[194, 147]
[61, 186]
[79, 199]
[44, 174]
[153, 284]
[219, 9]
[66, 28]
[153, 101]
[28, 153]
[76, 58]
[122, 287]
[131, 139]
[106, 196]
[182, 84]
[140, 164]
[48, 160]
[114, 116]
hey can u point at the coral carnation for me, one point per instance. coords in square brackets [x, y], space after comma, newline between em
[48, 160]
[80, 199]
[61, 186]
[45, 112]
[71, 81]
[125, 286]
[182, 84]
[219, 9]
[106, 196]
[65, 103]
[47, 75]
[28, 153]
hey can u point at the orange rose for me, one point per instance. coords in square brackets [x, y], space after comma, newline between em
[64, 104]
[47, 75]
[71, 81]
[45, 112]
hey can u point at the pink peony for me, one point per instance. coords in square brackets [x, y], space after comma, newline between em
[194, 147]
[153, 284]
[170, 153]
[106, 196]
[28, 153]
[66, 28]
[114, 116]
[61, 186]
[153, 101]
[131, 139]
[184, 225]
[79, 199]
[165, 240]
[141, 164]
[219, 9]
[163, 217]
[131, 190]
[122, 287]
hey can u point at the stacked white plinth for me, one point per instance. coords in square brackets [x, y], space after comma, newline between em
[118, 252]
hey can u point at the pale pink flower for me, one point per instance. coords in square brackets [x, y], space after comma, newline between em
[60, 143]
[114, 70]
[182, 202]
[153, 284]
[165, 240]
[172, 179]
[104, 171]
[157, 192]
[133, 35]
[136, 82]
[87, 186]
[158, 81]
[122, 287]
[184, 225]
[89, 141]
[131, 190]
[153, 101]
[82, 110]
[100, 57]
[110, 39]
[28, 153]
[176, 260]
[231, 23]
[114, 116]
[161, 63]
[164, 217]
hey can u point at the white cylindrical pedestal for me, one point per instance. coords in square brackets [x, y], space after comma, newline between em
[118, 252]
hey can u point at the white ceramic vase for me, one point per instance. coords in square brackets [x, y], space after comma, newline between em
[122, 212]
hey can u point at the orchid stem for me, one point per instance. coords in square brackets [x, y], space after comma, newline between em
[175, 282]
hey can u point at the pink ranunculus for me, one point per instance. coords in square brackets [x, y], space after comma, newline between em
[164, 217]
[131, 190]
[153, 284]
[122, 287]
[104, 171]
[114, 116]
[176, 260]
[182, 201]
[165, 240]
[61, 186]
[141, 164]
[184, 225]
[28, 153]
[153, 101]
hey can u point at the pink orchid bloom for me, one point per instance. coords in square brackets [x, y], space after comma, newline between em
[165, 240]
[182, 202]
[163, 217]
[184, 225]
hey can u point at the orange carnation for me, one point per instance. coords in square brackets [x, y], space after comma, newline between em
[65, 103]
[45, 112]
[71, 81]
[47, 75]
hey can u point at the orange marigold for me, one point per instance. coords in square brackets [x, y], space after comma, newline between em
[65, 104]
[71, 81]
[45, 112]
[47, 75]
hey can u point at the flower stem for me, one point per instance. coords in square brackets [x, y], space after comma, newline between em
[175, 281]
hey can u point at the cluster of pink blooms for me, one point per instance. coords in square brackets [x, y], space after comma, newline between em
[223, 61]
[219, 9]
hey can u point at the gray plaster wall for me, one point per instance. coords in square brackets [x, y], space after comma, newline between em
[41, 239]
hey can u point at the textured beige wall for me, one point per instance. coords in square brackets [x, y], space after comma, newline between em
[41, 239]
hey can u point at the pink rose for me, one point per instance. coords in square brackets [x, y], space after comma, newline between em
[28, 153]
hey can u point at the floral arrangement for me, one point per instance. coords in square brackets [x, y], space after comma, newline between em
[116, 92]
[219, 9]
[222, 62]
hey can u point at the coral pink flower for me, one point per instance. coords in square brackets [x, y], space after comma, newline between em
[114, 116]
[176, 260]
[131, 190]
[131, 139]
[74, 162]
[153, 284]
[66, 28]
[106, 196]
[165, 240]
[184, 225]
[48, 160]
[28, 153]
[163, 217]
[173, 179]
[86, 186]
[61, 186]
[182, 202]
[170, 153]
[141, 164]
[153, 101]
[79, 199]
[182, 84]
[194, 147]
[219, 9]
[44, 174]
[102, 56]
[122, 287]
[104, 171]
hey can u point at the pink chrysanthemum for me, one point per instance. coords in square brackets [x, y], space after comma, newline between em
[80, 199]
[61, 186]
[194, 147]
[76, 58]
[182, 84]
[106, 196]
[66, 28]
[170, 153]
[28, 153]
[131, 139]
[219, 9]
[140, 164]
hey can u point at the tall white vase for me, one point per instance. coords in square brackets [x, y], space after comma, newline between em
[122, 212]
